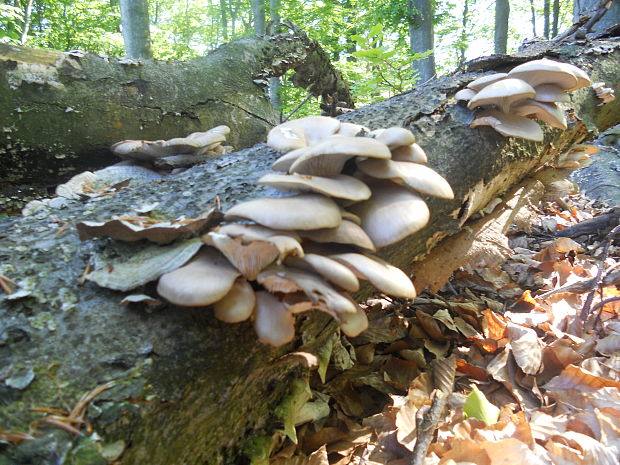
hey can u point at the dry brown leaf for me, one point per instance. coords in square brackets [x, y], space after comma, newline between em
[525, 348]
[510, 451]
[574, 377]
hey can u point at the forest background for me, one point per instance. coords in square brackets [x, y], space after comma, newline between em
[373, 42]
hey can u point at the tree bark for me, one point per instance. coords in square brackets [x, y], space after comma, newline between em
[274, 82]
[502, 13]
[421, 37]
[135, 28]
[188, 389]
[258, 8]
[589, 7]
[62, 111]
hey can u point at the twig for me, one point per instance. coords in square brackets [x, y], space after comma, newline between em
[426, 429]
[581, 287]
[600, 305]
[599, 282]
[444, 372]
[298, 107]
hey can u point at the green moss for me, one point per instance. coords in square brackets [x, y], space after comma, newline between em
[258, 450]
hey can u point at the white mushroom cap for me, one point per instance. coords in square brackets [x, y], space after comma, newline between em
[351, 129]
[301, 132]
[382, 275]
[197, 142]
[545, 71]
[203, 281]
[340, 186]
[329, 269]
[418, 177]
[391, 214]
[550, 93]
[346, 233]
[319, 291]
[300, 212]
[465, 94]
[396, 137]
[250, 258]
[142, 150]
[287, 242]
[482, 82]
[503, 94]
[547, 112]
[509, 125]
[285, 161]
[353, 324]
[237, 305]
[410, 153]
[274, 323]
[328, 157]
[583, 80]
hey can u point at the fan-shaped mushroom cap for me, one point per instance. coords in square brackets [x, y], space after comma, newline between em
[349, 216]
[329, 269]
[396, 137]
[141, 150]
[274, 323]
[418, 177]
[301, 132]
[195, 143]
[351, 129]
[316, 288]
[237, 305]
[299, 212]
[250, 259]
[550, 93]
[509, 125]
[465, 94]
[545, 71]
[353, 324]
[346, 233]
[410, 153]
[503, 94]
[547, 112]
[203, 281]
[340, 186]
[328, 157]
[285, 161]
[484, 81]
[287, 242]
[583, 80]
[382, 275]
[391, 214]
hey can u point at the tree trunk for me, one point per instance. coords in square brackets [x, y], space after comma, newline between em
[188, 389]
[556, 17]
[27, 19]
[462, 48]
[546, 19]
[502, 13]
[224, 19]
[62, 111]
[274, 82]
[533, 11]
[258, 8]
[135, 28]
[421, 37]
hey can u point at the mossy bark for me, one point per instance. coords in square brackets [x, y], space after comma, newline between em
[189, 389]
[61, 111]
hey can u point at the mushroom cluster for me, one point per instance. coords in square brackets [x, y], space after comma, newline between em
[508, 101]
[606, 94]
[353, 191]
[175, 153]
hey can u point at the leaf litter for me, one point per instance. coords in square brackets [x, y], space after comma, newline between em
[511, 364]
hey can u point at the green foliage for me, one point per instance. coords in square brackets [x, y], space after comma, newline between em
[477, 406]
[10, 24]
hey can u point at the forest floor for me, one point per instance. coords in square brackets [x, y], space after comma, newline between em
[513, 365]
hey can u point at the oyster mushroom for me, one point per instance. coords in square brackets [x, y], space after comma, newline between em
[206, 279]
[300, 212]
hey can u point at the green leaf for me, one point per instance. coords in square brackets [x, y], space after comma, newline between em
[375, 30]
[477, 406]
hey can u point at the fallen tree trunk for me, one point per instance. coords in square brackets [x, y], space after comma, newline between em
[61, 111]
[187, 389]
